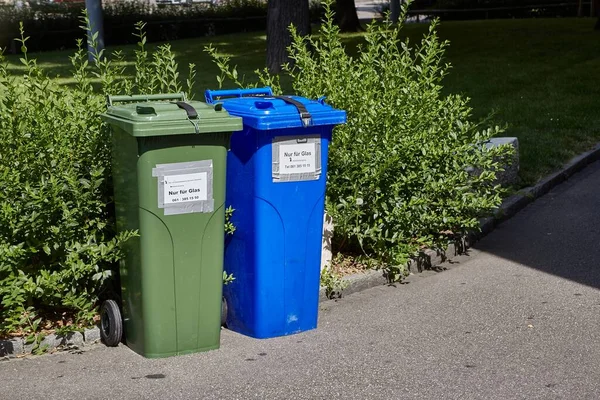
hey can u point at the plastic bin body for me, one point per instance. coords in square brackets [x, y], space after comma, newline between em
[275, 252]
[171, 277]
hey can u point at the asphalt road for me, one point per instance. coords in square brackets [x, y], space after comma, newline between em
[516, 319]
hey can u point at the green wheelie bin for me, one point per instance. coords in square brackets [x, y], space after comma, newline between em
[169, 160]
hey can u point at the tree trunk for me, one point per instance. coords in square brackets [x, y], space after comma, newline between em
[347, 16]
[280, 15]
[395, 10]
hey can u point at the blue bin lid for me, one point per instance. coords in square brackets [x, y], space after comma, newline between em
[269, 112]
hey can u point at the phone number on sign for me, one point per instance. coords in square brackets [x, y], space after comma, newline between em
[297, 166]
[190, 198]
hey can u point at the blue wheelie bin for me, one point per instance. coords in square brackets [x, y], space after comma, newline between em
[276, 173]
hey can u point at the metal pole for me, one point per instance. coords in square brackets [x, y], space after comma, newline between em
[94, 11]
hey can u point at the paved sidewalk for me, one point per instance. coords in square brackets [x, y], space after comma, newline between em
[516, 319]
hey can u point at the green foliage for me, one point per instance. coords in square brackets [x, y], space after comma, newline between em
[229, 230]
[229, 226]
[227, 278]
[399, 175]
[229, 73]
[58, 245]
[402, 170]
[333, 283]
[159, 73]
[29, 325]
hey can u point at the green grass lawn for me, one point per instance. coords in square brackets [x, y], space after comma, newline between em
[539, 77]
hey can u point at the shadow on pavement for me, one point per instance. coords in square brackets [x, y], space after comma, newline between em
[558, 234]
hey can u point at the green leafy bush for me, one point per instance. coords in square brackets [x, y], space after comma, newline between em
[402, 170]
[399, 175]
[58, 244]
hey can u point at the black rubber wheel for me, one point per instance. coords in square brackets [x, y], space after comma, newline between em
[111, 323]
[223, 312]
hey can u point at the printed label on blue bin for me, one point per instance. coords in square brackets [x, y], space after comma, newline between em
[297, 158]
[185, 188]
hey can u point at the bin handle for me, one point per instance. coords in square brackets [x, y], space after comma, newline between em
[144, 97]
[304, 114]
[213, 95]
[189, 110]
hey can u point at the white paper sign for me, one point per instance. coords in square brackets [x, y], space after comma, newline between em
[185, 188]
[297, 158]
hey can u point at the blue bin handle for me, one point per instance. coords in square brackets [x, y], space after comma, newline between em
[213, 95]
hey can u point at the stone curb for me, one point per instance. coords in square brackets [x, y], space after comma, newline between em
[72, 341]
[429, 260]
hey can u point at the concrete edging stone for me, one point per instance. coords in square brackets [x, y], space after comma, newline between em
[11, 348]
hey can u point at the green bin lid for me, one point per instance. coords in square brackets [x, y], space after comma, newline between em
[161, 118]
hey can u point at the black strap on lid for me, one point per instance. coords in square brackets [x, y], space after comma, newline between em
[304, 114]
[191, 111]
